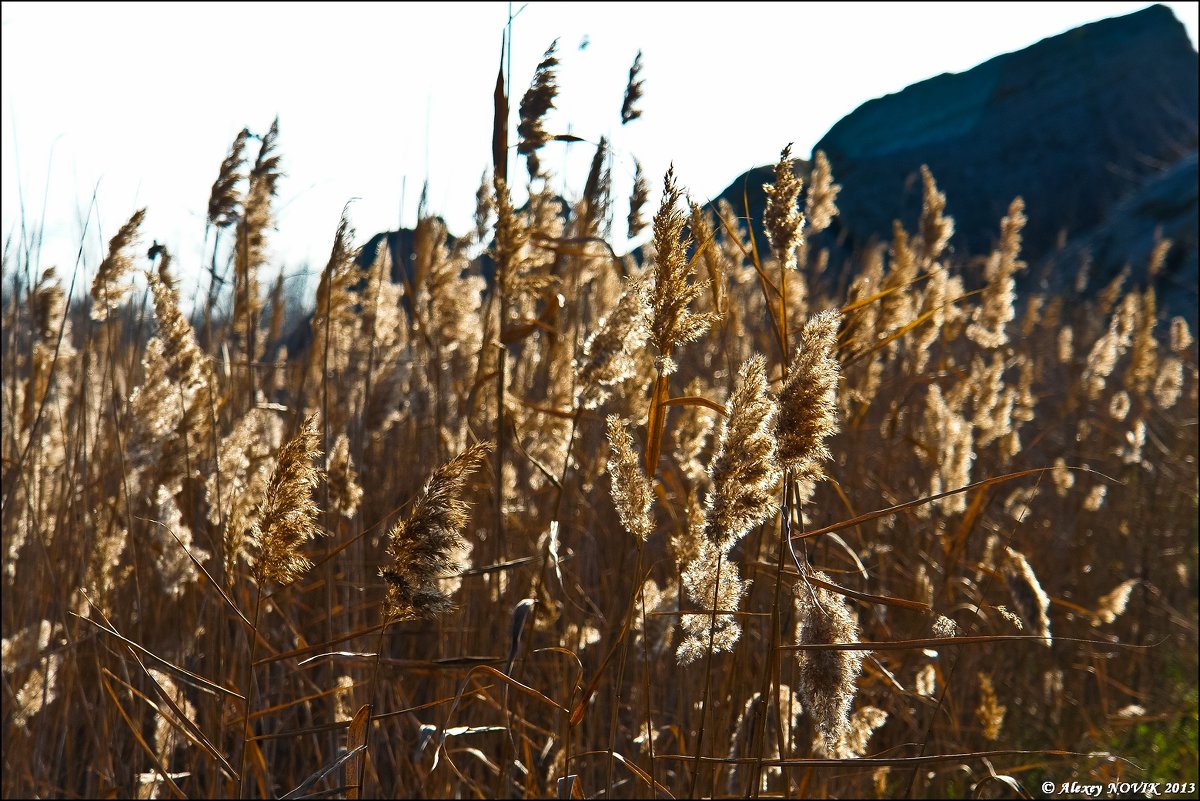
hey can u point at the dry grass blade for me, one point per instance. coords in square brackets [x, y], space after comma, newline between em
[655, 426]
[581, 707]
[141, 741]
[696, 400]
[863, 518]
[882, 600]
[196, 680]
[325, 770]
[500, 122]
[510, 681]
[177, 720]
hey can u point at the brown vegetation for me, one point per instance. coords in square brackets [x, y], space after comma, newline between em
[597, 526]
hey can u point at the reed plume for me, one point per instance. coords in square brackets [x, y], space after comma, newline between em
[1143, 351]
[744, 471]
[808, 399]
[250, 252]
[421, 546]
[863, 723]
[1168, 384]
[538, 100]
[334, 315]
[936, 228]
[783, 221]
[637, 201]
[672, 322]
[828, 678]
[108, 289]
[1031, 602]
[287, 515]
[517, 274]
[820, 205]
[631, 491]
[633, 92]
[224, 202]
[1112, 605]
[344, 491]
[744, 476]
[714, 583]
[715, 265]
[990, 712]
[610, 353]
[597, 193]
[896, 307]
[1180, 336]
[995, 310]
[173, 540]
[244, 463]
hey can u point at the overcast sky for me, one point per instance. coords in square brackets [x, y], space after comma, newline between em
[139, 103]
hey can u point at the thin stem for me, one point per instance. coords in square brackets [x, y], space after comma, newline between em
[249, 692]
[771, 669]
[362, 765]
[712, 633]
[620, 682]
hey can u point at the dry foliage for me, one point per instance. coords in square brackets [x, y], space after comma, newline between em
[594, 525]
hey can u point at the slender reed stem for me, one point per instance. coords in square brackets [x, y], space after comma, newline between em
[246, 725]
[704, 700]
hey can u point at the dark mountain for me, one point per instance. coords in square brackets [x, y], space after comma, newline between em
[1168, 205]
[1079, 125]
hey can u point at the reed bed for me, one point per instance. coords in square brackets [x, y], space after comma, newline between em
[540, 520]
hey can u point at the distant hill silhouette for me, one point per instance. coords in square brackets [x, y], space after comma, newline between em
[1079, 125]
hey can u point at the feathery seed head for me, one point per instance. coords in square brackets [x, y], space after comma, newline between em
[1181, 335]
[782, 220]
[633, 92]
[744, 469]
[1113, 605]
[808, 399]
[936, 227]
[538, 100]
[344, 490]
[713, 583]
[1028, 597]
[819, 206]
[224, 201]
[107, 288]
[672, 322]
[828, 678]
[995, 310]
[287, 516]
[422, 546]
[631, 491]
[609, 354]
[637, 201]
[990, 711]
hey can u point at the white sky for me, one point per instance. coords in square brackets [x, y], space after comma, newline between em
[140, 102]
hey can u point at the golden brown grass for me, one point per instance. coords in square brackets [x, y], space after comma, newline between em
[742, 531]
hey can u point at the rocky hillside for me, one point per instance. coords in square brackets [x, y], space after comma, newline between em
[1094, 128]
